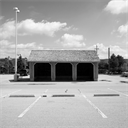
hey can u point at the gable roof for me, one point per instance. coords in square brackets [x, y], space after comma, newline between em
[63, 56]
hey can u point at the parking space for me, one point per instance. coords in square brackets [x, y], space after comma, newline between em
[120, 89]
[60, 112]
[35, 92]
[6, 92]
[10, 109]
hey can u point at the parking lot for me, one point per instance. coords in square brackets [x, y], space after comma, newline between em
[100, 104]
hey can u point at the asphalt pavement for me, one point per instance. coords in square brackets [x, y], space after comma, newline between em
[33, 105]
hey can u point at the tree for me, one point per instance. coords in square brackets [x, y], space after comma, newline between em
[113, 63]
[20, 64]
[121, 62]
[103, 67]
[2, 69]
[8, 65]
[116, 64]
[124, 67]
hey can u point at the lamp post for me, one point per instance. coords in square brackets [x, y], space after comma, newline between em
[16, 11]
[109, 60]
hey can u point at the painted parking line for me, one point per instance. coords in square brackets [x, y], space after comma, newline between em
[118, 92]
[10, 93]
[94, 106]
[28, 108]
[46, 91]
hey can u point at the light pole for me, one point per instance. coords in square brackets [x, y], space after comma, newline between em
[109, 60]
[16, 11]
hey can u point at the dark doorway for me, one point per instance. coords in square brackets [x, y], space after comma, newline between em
[85, 72]
[64, 72]
[42, 72]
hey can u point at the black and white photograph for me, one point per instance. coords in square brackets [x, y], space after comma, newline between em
[63, 63]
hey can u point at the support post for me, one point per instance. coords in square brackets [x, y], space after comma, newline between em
[95, 71]
[74, 71]
[31, 71]
[53, 77]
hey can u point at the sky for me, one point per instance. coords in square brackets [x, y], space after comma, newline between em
[64, 24]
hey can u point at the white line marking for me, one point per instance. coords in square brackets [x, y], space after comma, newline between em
[27, 109]
[45, 90]
[10, 93]
[95, 107]
[79, 90]
[117, 92]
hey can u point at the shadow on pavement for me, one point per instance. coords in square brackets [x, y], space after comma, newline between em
[106, 80]
[21, 80]
[124, 81]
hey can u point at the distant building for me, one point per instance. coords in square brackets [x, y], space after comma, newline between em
[63, 65]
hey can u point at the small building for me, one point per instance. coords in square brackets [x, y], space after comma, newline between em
[63, 65]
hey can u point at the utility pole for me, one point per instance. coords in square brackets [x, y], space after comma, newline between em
[109, 59]
[8, 59]
[97, 49]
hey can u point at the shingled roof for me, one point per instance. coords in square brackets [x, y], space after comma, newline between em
[63, 56]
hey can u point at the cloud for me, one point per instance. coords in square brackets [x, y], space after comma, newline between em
[43, 27]
[113, 32]
[30, 46]
[68, 40]
[123, 29]
[67, 28]
[7, 30]
[4, 48]
[1, 17]
[34, 14]
[30, 27]
[8, 48]
[117, 6]
[4, 43]
[70, 28]
[103, 50]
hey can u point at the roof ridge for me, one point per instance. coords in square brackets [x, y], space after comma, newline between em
[63, 50]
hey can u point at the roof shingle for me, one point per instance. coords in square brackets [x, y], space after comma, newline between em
[63, 56]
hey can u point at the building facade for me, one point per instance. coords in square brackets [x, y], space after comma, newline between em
[63, 65]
